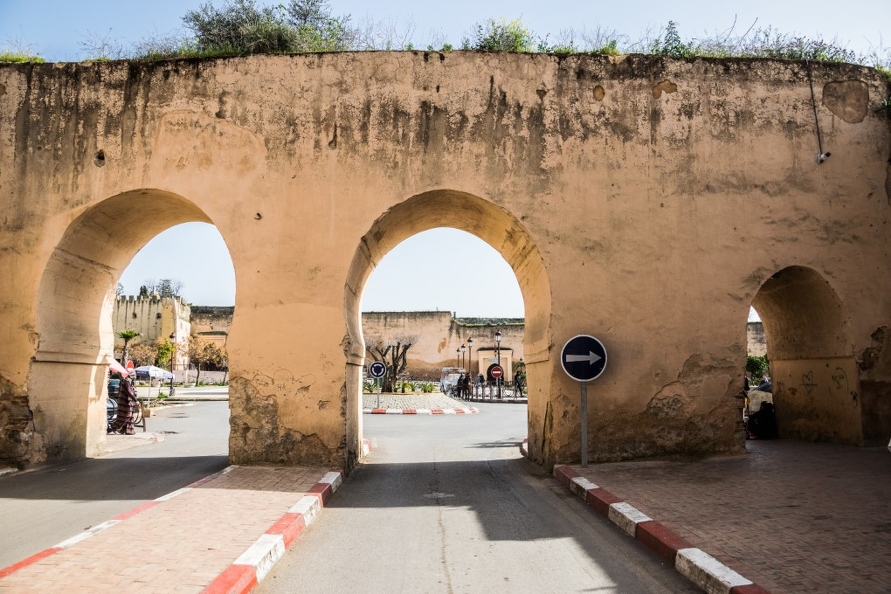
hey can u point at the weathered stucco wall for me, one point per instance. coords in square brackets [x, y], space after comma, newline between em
[640, 199]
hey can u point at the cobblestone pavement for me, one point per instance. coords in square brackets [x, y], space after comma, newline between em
[431, 400]
[176, 544]
[792, 517]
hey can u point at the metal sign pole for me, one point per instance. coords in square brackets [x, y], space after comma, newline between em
[583, 358]
[584, 424]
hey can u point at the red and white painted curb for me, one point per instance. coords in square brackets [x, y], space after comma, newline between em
[421, 411]
[696, 565]
[252, 566]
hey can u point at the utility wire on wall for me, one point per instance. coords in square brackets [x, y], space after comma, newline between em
[821, 156]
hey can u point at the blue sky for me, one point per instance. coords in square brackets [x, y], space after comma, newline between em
[57, 29]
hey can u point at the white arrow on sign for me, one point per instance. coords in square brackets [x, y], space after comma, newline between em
[591, 358]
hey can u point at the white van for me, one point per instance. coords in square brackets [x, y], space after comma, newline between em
[448, 378]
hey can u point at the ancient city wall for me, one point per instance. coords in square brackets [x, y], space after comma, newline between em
[437, 337]
[645, 200]
[152, 318]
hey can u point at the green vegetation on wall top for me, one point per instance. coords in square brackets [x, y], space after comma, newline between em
[243, 27]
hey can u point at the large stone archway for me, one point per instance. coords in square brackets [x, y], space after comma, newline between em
[75, 299]
[492, 224]
[640, 199]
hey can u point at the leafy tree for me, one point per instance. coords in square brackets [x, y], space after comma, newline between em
[164, 349]
[168, 287]
[143, 353]
[143, 291]
[317, 29]
[757, 366]
[204, 353]
[127, 336]
[243, 27]
[672, 45]
[500, 35]
[391, 353]
[239, 27]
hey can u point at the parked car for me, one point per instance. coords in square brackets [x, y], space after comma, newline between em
[448, 379]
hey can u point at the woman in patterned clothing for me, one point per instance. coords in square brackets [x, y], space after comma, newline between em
[127, 403]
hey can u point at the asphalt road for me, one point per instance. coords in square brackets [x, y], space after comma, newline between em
[44, 507]
[446, 504]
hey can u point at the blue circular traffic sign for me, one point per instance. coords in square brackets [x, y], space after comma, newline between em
[583, 358]
[377, 369]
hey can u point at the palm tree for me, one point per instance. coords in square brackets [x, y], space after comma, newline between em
[126, 336]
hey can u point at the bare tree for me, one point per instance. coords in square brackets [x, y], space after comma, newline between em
[392, 353]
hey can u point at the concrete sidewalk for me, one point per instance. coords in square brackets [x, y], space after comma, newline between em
[791, 517]
[220, 534]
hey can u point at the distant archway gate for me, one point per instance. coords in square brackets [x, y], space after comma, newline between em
[640, 199]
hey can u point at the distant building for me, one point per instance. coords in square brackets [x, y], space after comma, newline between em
[437, 336]
[211, 323]
[154, 317]
[757, 343]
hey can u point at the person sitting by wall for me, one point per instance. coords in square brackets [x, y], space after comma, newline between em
[763, 423]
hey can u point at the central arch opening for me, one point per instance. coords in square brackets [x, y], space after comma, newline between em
[450, 304]
[484, 220]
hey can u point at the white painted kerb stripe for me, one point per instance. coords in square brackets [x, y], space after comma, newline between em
[308, 507]
[332, 478]
[707, 572]
[170, 496]
[394, 411]
[581, 483]
[86, 534]
[263, 554]
[627, 517]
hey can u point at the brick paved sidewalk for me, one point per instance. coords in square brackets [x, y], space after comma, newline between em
[181, 542]
[792, 517]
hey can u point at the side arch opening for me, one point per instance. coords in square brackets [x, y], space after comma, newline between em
[815, 378]
[75, 302]
[490, 223]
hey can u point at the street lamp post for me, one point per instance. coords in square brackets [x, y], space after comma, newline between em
[463, 348]
[470, 364]
[470, 355]
[498, 358]
[172, 357]
[457, 357]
